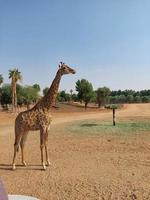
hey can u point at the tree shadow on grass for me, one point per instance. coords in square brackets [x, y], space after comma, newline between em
[89, 125]
[94, 125]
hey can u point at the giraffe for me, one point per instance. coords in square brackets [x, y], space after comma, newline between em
[38, 118]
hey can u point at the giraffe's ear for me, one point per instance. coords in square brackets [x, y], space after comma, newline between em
[60, 64]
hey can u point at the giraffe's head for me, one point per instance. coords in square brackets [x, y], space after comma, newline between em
[65, 69]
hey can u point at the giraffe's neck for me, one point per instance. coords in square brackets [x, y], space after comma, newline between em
[48, 100]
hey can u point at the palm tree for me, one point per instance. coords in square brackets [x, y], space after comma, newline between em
[14, 75]
[1, 79]
[71, 91]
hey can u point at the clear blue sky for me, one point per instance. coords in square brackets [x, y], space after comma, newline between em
[107, 41]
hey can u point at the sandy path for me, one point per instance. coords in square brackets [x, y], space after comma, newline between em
[130, 110]
[83, 168]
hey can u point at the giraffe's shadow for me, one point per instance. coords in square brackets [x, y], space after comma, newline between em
[20, 167]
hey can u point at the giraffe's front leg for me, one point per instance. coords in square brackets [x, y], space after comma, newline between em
[23, 161]
[47, 157]
[41, 147]
[42, 159]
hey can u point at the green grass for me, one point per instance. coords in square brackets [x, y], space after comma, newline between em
[95, 127]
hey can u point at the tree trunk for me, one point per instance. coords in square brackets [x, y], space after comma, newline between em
[0, 100]
[14, 97]
[114, 117]
[99, 104]
[85, 105]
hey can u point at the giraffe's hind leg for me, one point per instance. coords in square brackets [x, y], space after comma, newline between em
[22, 144]
[14, 157]
[16, 149]
[46, 148]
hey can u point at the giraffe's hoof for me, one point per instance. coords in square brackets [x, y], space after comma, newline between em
[44, 167]
[13, 167]
[24, 163]
[49, 163]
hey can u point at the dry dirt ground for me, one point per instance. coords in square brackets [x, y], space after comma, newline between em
[103, 167]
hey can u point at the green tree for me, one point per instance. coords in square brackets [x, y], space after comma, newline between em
[146, 99]
[128, 92]
[113, 99]
[1, 81]
[45, 90]
[37, 87]
[63, 96]
[102, 95]
[25, 95]
[75, 97]
[137, 99]
[14, 75]
[6, 95]
[145, 93]
[85, 91]
[30, 95]
[130, 98]
[71, 93]
[94, 97]
[122, 98]
[20, 94]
